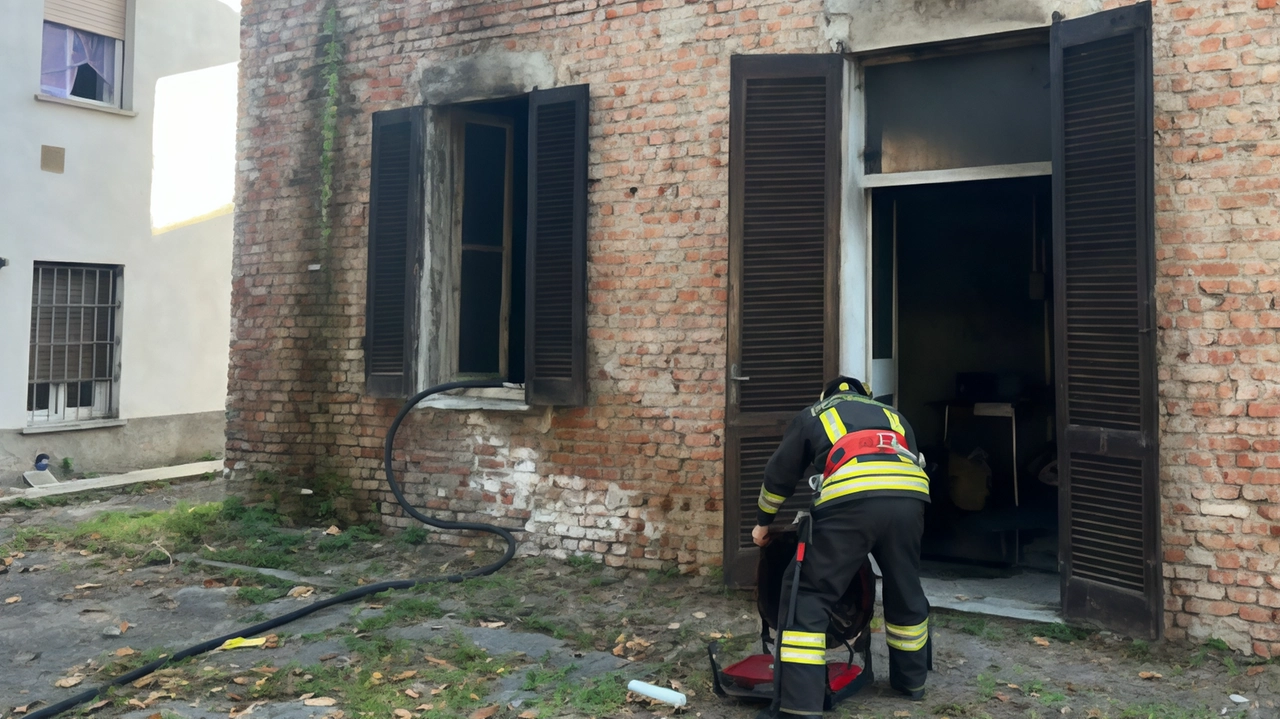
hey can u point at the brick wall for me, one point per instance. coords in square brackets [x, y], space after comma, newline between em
[637, 476]
[1217, 82]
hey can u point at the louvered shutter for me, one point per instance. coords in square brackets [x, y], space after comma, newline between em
[395, 246]
[1105, 353]
[556, 279]
[104, 17]
[784, 166]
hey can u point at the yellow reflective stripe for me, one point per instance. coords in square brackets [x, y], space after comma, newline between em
[907, 638]
[832, 423]
[770, 503]
[913, 645]
[802, 656]
[874, 469]
[894, 422]
[914, 630]
[805, 639]
[854, 486]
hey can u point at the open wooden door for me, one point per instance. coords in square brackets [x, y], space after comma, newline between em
[784, 170]
[1103, 208]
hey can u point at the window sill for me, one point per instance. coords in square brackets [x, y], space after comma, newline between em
[84, 104]
[500, 399]
[73, 426]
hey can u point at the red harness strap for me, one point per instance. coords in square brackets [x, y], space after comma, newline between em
[862, 442]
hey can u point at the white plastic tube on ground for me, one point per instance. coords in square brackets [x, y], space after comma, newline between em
[668, 696]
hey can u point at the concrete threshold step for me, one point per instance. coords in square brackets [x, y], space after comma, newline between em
[181, 471]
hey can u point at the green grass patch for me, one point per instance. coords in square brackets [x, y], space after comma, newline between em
[1055, 632]
[405, 611]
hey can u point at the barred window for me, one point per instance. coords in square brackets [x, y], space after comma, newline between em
[72, 371]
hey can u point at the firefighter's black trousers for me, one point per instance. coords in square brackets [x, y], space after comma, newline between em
[889, 529]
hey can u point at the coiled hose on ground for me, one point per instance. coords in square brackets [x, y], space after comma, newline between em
[198, 649]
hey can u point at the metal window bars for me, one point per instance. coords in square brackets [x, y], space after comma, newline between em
[72, 368]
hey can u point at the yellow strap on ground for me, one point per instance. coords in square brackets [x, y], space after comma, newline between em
[833, 424]
[241, 643]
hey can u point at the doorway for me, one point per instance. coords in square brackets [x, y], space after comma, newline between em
[962, 307]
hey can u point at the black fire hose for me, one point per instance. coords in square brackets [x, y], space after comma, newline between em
[136, 674]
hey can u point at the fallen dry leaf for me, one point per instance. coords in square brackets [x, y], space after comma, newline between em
[25, 707]
[145, 682]
[673, 625]
[320, 701]
[234, 697]
[1150, 675]
[273, 641]
[437, 690]
[88, 585]
[213, 584]
[619, 650]
[484, 712]
[13, 600]
[1255, 671]
[242, 681]
[301, 591]
[475, 697]
[424, 707]
[411, 694]
[125, 652]
[307, 696]
[333, 531]
[699, 615]
[1041, 641]
[902, 713]
[403, 713]
[1013, 686]
[492, 625]
[124, 627]
[329, 657]
[99, 705]
[404, 675]
[1002, 697]
[140, 705]
[266, 670]
[528, 714]
[68, 682]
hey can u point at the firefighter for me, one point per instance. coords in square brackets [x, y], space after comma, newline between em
[871, 501]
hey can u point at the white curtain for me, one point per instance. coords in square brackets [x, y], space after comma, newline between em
[66, 50]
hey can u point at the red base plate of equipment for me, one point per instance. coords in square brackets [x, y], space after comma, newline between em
[758, 669]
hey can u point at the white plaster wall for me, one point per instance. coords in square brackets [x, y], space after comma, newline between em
[176, 293]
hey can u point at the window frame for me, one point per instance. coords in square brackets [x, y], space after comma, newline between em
[117, 59]
[460, 117]
[59, 390]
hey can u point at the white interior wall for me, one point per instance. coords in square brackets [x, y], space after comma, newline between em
[175, 318]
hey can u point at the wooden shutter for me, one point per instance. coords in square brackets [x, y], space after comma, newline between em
[395, 246]
[556, 271]
[104, 17]
[784, 200]
[1105, 351]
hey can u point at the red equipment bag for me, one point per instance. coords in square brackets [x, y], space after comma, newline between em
[849, 626]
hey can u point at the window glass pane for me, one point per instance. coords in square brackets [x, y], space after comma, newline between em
[989, 108]
[484, 186]
[78, 63]
[480, 316]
